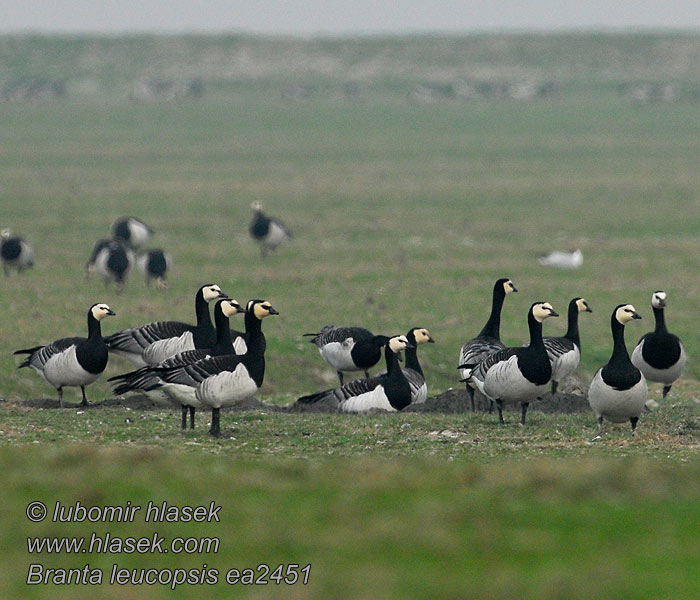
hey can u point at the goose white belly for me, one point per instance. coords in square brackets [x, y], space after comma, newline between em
[239, 346]
[367, 401]
[180, 394]
[616, 405]
[161, 350]
[337, 354]
[63, 369]
[660, 375]
[565, 364]
[276, 235]
[139, 234]
[227, 388]
[504, 381]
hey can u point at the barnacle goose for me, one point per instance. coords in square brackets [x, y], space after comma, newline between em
[100, 244]
[348, 348]
[390, 391]
[660, 355]
[154, 264]
[618, 391]
[565, 352]
[230, 379]
[269, 232]
[147, 380]
[517, 374]
[489, 338]
[112, 261]
[73, 361]
[412, 370]
[562, 260]
[131, 231]
[154, 342]
[15, 252]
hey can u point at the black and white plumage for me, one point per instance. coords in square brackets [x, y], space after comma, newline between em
[565, 352]
[390, 391]
[489, 338]
[131, 231]
[659, 354]
[112, 261]
[73, 361]
[269, 232]
[154, 265]
[227, 380]
[618, 390]
[562, 260]
[517, 374]
[348, 348]
[148, 381]
[154, 342]
[15, 252]
[412, 370]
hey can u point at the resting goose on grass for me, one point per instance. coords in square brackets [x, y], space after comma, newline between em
[269, 232]
[74, 361]
[154, 265]
[389, 391]
[154, 342]
[489, 338]
[15, 252]
[618, 391]
[412, 370]
[348, 348]
[147, 380]
[517, 374]
[660, 355]
[227, 380]
[131, 231]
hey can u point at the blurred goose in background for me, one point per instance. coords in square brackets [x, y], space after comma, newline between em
[131, 231]
[562, 260]
[112, 262]
[660, 355]
[618, 391]
[489, 338]
[152, 343]
[154, 265]
[15, 252]
[269, 232]
[72, 361]
[390, 391]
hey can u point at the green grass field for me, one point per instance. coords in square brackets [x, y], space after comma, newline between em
[404, 214]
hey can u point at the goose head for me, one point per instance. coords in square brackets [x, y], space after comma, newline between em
[542, 311]
[100, 310]
[398, 343]
[658, 299]
[507, 285]
[256, 206]
[624, 313]
[260, 308]
[211, 291]
[419, 335]
[582, 305]
[230, 307]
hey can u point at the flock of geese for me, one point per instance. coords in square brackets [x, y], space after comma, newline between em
[210, 366]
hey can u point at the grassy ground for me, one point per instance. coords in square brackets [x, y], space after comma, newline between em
[404, 214]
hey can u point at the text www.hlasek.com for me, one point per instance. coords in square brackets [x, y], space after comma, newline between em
[109, 544]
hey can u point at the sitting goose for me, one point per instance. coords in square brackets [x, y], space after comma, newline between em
[618, 391]
[73, 361]
[517, 374]
[15, 252]
[489, 338]
[390, 391]
[230, 379]
[154, 342]
[565, 352]
[412, 370]
[348, 348]
[131, 231]
[269, 232]
[660, 355]
[147, 380]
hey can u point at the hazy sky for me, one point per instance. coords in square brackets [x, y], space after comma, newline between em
[308, 17]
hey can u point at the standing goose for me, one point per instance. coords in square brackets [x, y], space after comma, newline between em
[348, 348]
[74, 361]
[100, 244]
[154, 265]
[227, 380]
[618, 390]
[660, 355]
[269, 232]
[412, 370]
[147, 380]
[517, 374]
[112, 261]
[154, 342]
[15, 252]
[565, 352]
[489, 338]
[131, 231]
[389, 391]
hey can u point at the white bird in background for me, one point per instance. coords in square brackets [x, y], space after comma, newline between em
[562, 260]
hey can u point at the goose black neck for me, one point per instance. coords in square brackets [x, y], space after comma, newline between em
[619, 347]
[392, 361]
[254, 358]
[94, 327]
[412, 360]
[572, 331]
[223, 330]
[535, 328]
[493, 325]
[201, 309]
[660, 320]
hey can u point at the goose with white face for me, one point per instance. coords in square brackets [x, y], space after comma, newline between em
[212, 292]
[542, 311]
[100, 311]
[626, 313]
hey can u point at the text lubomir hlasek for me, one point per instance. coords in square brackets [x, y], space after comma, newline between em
[154, 513]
